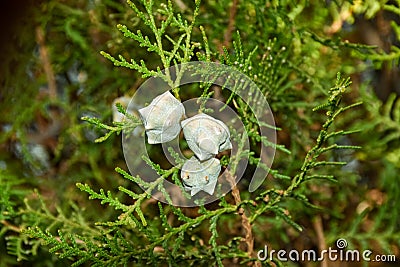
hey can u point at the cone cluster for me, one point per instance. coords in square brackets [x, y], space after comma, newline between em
[206, 136]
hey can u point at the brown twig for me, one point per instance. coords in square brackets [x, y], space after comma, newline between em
[10, 226]
[44, 56]
[317, 223]
[249, 239]
[230, 27]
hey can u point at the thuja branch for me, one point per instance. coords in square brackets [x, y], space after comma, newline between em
[125, 217]
[129, 124]
[43, 214]
[272, 197]
[197, 221]
[173, 232]
[182, 47]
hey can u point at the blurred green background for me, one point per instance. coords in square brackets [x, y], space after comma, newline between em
[52, 74]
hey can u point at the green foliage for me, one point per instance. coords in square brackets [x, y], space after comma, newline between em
[330, 141]
[130, 124]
